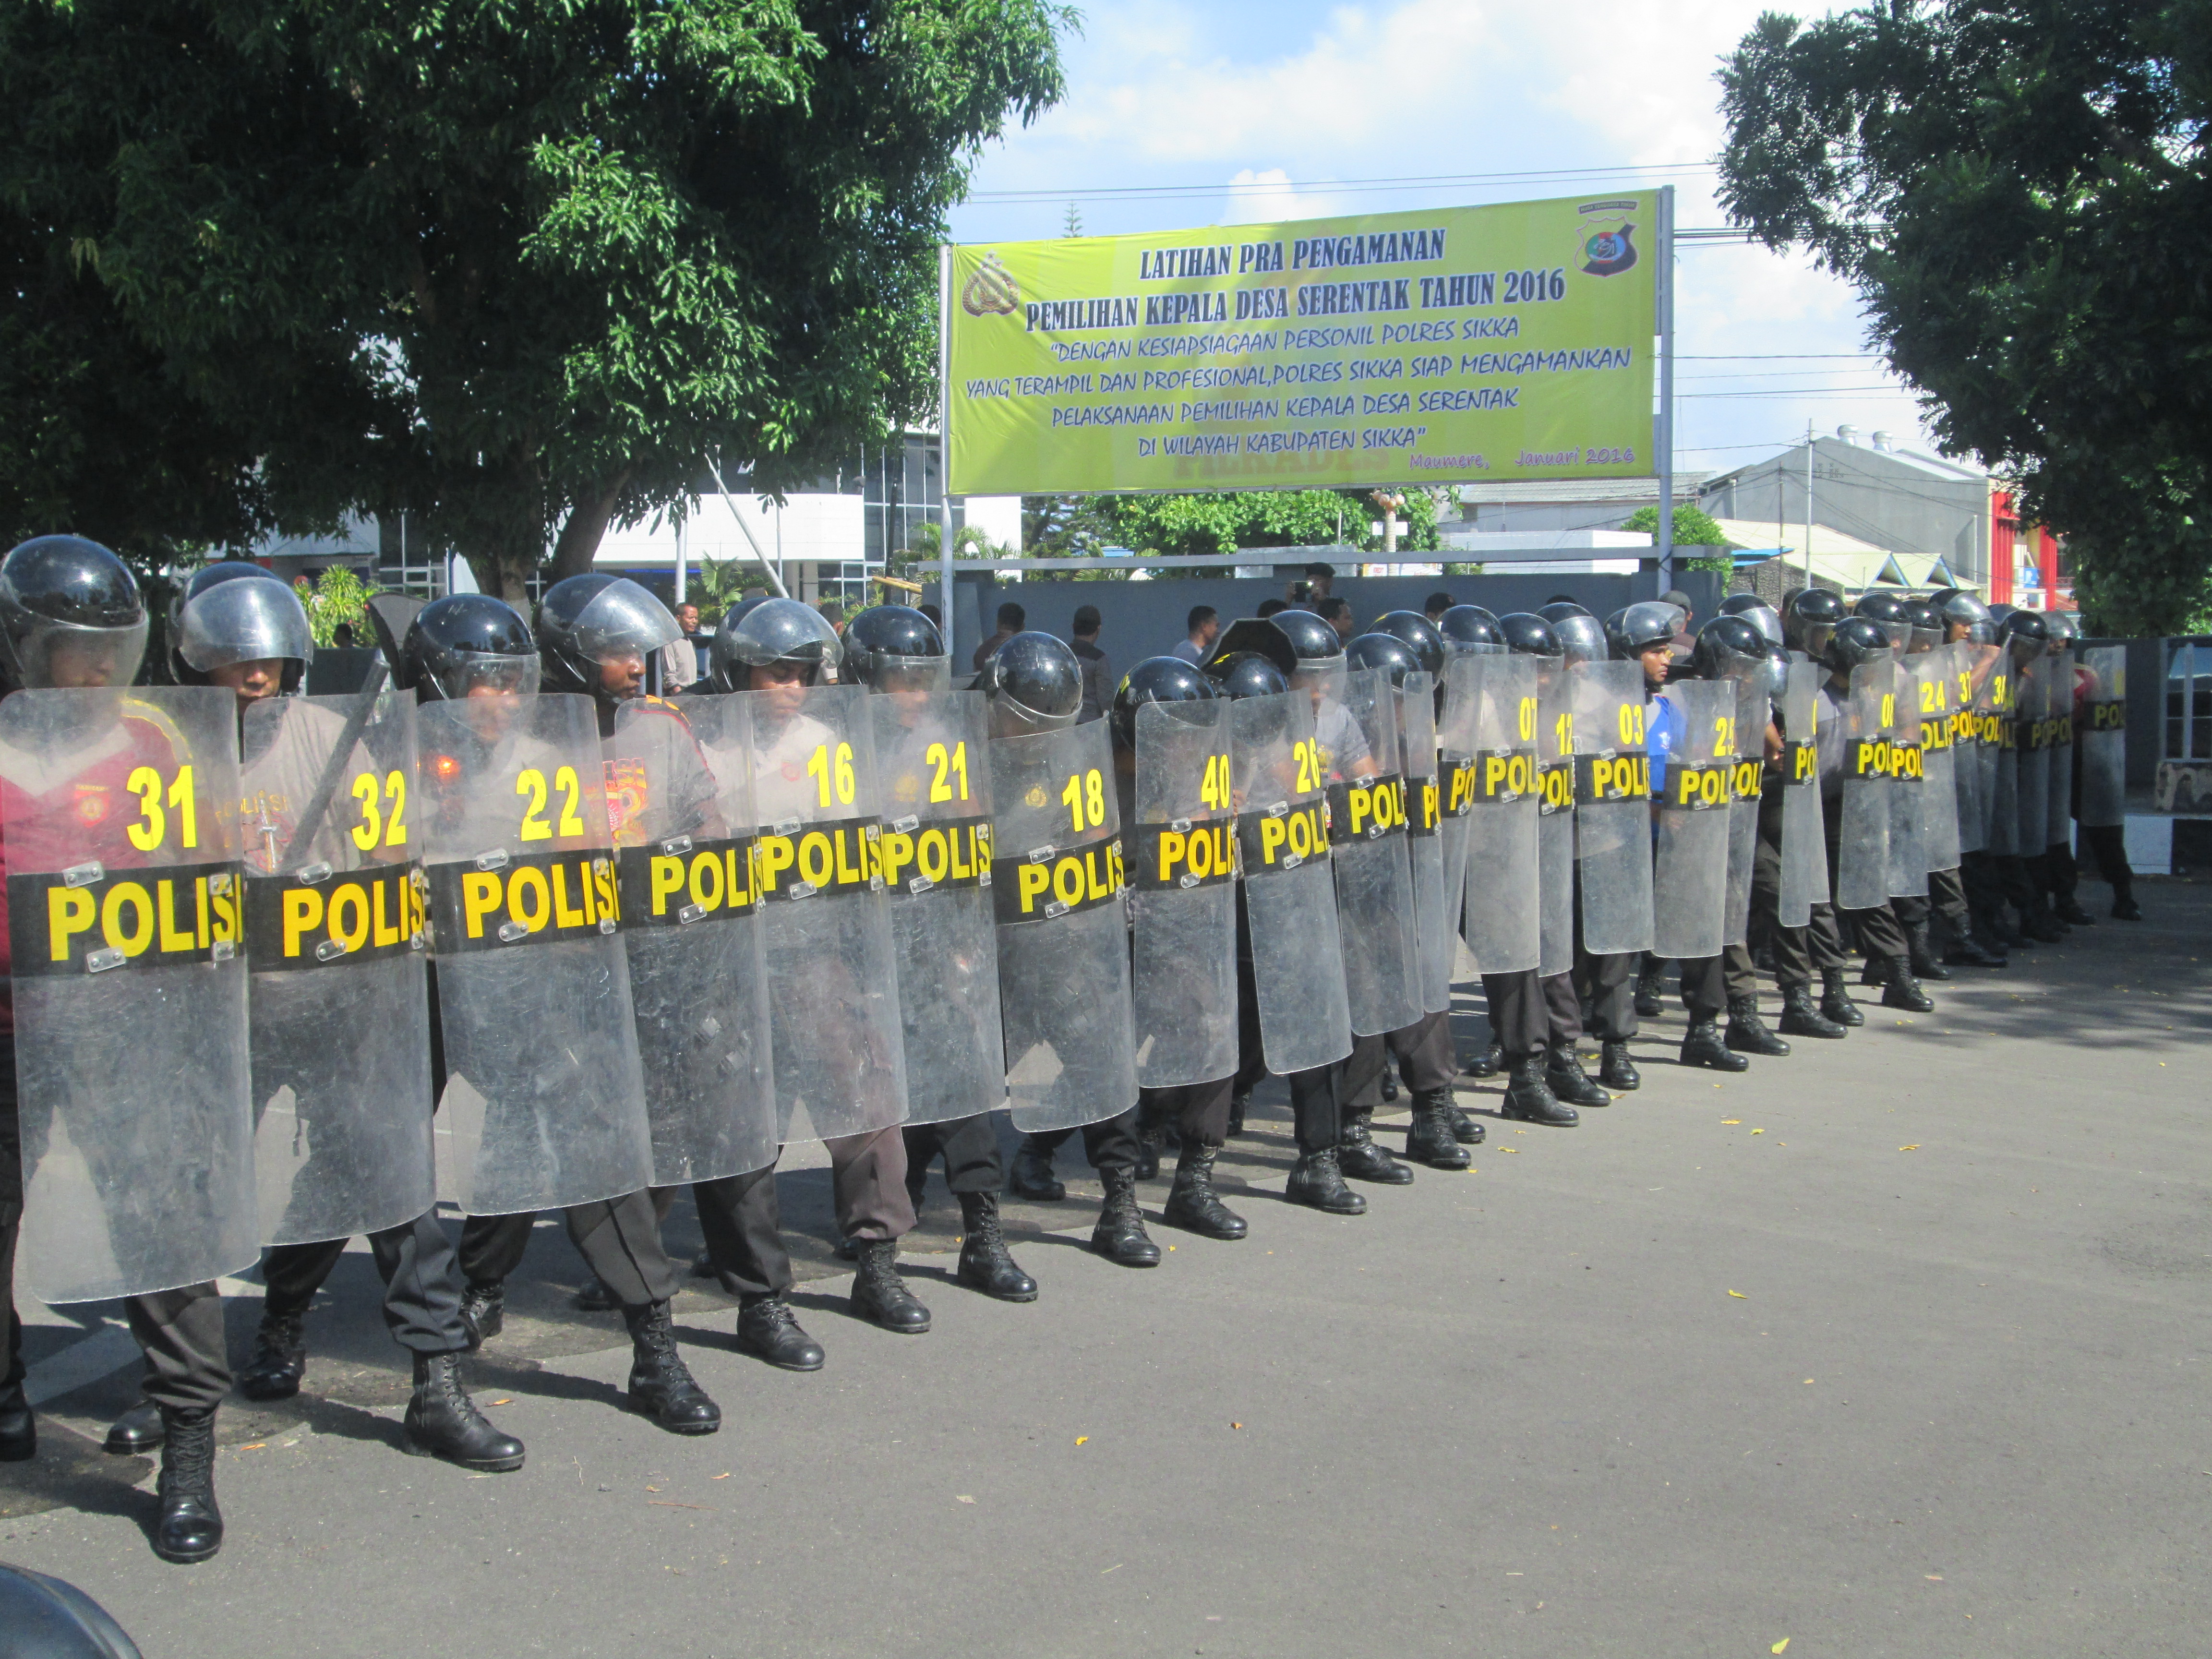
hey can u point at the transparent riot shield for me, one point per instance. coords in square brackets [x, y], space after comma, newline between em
[1747, 782]
[1456, 781]
[1689, 877]
[1436, 929]
[1936, 686]
[1863, 836]
[2031, 738]
[120, 809]
[1505, 908]
[1967, 756]
[1290, 889]
[1996, 713]
[680, 805]
[1804, 864]
[1056, 878]
[1555, 819]
[1612, 806]
[339, 1008]
[2104, 737]
[833, 987]
[1908, 842]
[545, 1099]
[2058, 743]
[1182, 870]
[936, 776]
[1358, 740]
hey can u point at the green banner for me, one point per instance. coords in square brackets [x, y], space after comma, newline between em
[1507, 342]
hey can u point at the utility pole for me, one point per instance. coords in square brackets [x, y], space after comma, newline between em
[1666, 433]
[1808, 503]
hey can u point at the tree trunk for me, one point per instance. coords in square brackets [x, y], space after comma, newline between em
[579, 541]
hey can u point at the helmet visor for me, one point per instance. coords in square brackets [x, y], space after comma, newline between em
[623, 620]
[483, 673]
[249, 620]
[62, 654]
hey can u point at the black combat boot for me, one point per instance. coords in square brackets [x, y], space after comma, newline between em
[1565, 1077]
[1239, 1104]
[1488, 1063]
[191, 1527]
[483, 1310]
[1801, 1016]
[767, 1330]
[880, 1296]
[2069, 911]
[2125, 907]
[1921, 954]
[595, 1297]
[917, 1185]
[1429, 1138]
[1120, 1234]
[1317, 1183]
[1702, 1046]
[1651, 987]
[1361, 1160]
[2042, 927]
[1465, 1130]
[1903, 991]
[1616, 1070]
[19, 1429]
[1965, 950]
[443, 1422]
[1032, 1178]
[1193, 1206]
[1835, 1001]
[985, 1264]
[1877, 971]
[661, 1386]
[1149, 1136]
[1747, 1031]
[1389, 1083]
[134, 1434]
[280, 1358]
[1529, 1099]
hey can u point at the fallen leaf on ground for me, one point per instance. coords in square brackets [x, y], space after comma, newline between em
[1914, 1147]
[1080, 1438]
[1778, 1646]
[1731, 1120]
[1740, 1296]
[963, 1498]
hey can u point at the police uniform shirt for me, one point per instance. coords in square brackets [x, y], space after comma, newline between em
[781, 789]
[659, 783]
[1341, 739]
[284, 763]
[1828, 726]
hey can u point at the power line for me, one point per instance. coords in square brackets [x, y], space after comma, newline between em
[1770, 356]
[1411, 181]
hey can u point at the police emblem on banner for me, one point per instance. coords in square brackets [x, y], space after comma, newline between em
[1607, 249]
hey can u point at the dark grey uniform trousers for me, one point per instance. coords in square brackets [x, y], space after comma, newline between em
[1315, 1114]
[421, 1278]
[743, 1220]
[1422, 1051]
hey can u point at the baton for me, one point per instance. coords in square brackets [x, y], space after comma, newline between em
[318, 804]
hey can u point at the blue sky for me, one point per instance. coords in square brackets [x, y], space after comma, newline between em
[1291, 99]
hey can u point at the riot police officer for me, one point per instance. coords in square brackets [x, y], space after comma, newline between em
[898, 653]
[1810, 617]
[71, 617]
[240, 628]
[1967, 623]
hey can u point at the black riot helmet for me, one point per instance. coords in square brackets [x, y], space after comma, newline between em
[2023, 634]
[893, 647]
[52, 1618]
[1384, 651]
[1470, 627]
[2060, 628]
[1927, 626]
[1417, 634]
[1809, 621]
[1560, 610]
[1632, 631]
[1857, 640]
[1960, 609]
[65, 593]
[1729, 648]
[1248, 674]
[1157, 679]
[236, 612]
[1582, 639]
[1890, 612]
[467, 639]
[1527, 635]
[586, 621]
[1252, 636]
[1756, 611]
[1034, 685]
[1313, 640]
[761, 631]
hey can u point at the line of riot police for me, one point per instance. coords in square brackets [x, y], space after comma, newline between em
[506, 926]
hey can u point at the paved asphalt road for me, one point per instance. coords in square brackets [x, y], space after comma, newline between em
[1893, 1347]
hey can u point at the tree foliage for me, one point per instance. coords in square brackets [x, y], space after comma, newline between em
[1693, 527]
[516, 265]
[2018, 189]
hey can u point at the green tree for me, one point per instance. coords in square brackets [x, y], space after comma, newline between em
[1196, 525]
[2016, 189]
[514, 267]
[335, 596]
[1692, 528]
